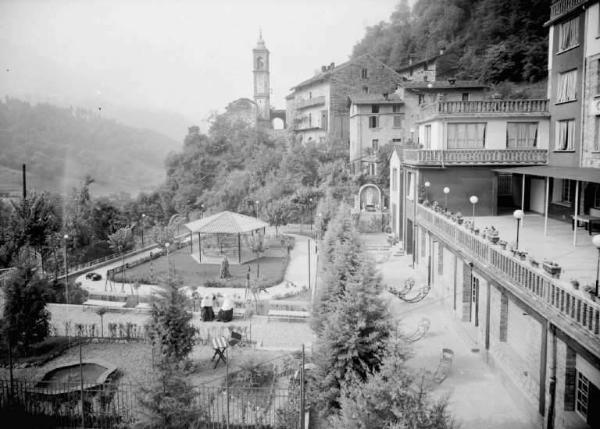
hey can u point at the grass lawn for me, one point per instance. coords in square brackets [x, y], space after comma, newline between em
[272, 270]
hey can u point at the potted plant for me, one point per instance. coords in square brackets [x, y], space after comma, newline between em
[591, 291]
[459, 218]
[426, 203]
[575, 284]
[534, 262]
[522, 254]
[552, 268]
[493, 235]
[502, 244]
[476, 231]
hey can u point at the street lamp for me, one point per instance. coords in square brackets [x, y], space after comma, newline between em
[168, 261]
[596, 242]
[474, 200]
[143, 219]
[427, 185]
[310, 200]
[518, 215]
[66, 237]
[446, 192]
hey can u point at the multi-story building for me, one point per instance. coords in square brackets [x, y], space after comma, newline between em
[317, 108]
[523, 304]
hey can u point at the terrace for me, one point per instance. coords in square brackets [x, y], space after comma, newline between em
[572, 310]
[529, 107]
[455, 157]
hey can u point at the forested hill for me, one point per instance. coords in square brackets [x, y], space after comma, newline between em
[61, 145]
[491, 40]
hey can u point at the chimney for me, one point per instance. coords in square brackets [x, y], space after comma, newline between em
[386, 96]
[331, 66]
[451, 80]
[323, 69]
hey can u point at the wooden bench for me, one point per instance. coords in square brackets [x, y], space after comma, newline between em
[288, 314]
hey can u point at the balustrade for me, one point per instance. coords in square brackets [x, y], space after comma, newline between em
[579, 310]
[476, 157]
[563, 6]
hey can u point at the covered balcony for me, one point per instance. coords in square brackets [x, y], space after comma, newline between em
[483, 108]
[310, 102]
[526, 269]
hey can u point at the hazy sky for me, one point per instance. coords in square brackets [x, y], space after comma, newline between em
[188, 57]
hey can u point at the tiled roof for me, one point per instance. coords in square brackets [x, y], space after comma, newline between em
[416, 64]
[375, 99]
[226, 223]
[443, 84]
[320, 76]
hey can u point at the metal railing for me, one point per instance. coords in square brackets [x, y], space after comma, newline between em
[476, 156]
[112, 405]
[555, 297]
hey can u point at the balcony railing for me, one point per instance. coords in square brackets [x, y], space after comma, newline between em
[453, 157]
[485, 106]
[563, 6]
[310, 102]
[549, 295]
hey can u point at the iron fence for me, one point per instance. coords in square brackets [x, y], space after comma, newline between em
[111, 405]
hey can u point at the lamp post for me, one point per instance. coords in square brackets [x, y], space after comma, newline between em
[66, 237]
[596, 242]
[427, 185]
[168, 261]
[320, 217]
[518, 215]
[142, 229]
[310, 203]
[474, 200]
[446, 192]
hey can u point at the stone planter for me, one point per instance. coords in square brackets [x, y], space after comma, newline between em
[494, 238]
[460, 220]
[553, 270]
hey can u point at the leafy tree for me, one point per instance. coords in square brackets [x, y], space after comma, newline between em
[121, 241]
[257, 246]
[393, 397]
[25, 318]
[278, 212]
[162, 235]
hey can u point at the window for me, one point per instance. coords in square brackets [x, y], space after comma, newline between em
[365, 89]
[309, 120]
[465, 96]
[364, 73]
[566, 88]
[411, 186]
[397, 121]
[466, 135]
[565, 135]
[396, 140]
[440, 259]
[427, 136]
[309, 95]
[396, 108]
[374, 108]
[565, 191]
[583, 391]
[373, 122]
[394, 179]
[596, 147]
[521, 134]
[425, 79]
[596, 200]
[421, 98]
[375, 145]
[372, 169]
[568, 34]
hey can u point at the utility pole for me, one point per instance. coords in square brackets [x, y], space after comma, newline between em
[308, 242]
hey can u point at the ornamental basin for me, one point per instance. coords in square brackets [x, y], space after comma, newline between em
[65, 378]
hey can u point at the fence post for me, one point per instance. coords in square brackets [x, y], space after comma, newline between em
[227, 382]
[302, 391]
[81, 384]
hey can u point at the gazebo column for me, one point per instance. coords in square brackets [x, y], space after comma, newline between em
[199, 248]
[239, 249]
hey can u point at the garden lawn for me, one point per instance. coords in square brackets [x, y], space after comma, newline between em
[272, 270]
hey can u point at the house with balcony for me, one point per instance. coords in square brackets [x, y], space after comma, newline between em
[317, 108]
[523, 291]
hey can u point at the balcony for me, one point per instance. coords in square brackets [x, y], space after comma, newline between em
[458, 157]
[563, 6]
[572, 310]
[310, 102]
[531, 107]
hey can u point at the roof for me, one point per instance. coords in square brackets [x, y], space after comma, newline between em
[375, 99]
[571, 173]
[417, 63]
[226, 223]
[443, 84]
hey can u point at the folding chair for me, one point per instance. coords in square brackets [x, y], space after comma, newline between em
[219, 345]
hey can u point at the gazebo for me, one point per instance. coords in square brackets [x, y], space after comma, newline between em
[224, 234]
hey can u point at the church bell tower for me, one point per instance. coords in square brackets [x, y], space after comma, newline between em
[262, 86]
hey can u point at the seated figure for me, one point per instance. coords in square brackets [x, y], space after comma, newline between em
[206, 310]
[226, 312]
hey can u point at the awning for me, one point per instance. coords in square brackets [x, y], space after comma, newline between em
[571, 173]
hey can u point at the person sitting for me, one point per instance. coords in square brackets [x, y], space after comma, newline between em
[206, 311]
[226, 312]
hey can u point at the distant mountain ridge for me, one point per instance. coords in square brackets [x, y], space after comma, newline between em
[62, 145]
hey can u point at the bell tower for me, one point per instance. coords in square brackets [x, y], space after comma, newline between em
[262, 87]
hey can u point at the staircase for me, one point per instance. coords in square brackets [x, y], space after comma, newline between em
[377, 245]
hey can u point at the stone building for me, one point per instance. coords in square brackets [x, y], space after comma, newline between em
[317, 108]
[519, 289]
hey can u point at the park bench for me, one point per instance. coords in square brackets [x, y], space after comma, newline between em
[444, 366]
[290, 310]
[100, 303]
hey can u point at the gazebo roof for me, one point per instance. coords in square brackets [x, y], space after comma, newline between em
[226, 223]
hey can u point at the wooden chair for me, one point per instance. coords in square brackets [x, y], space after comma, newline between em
[444, 367]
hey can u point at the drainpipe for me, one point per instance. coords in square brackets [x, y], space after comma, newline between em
[552, 386]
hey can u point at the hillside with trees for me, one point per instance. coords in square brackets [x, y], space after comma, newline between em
[61, 146]
[490, 40]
